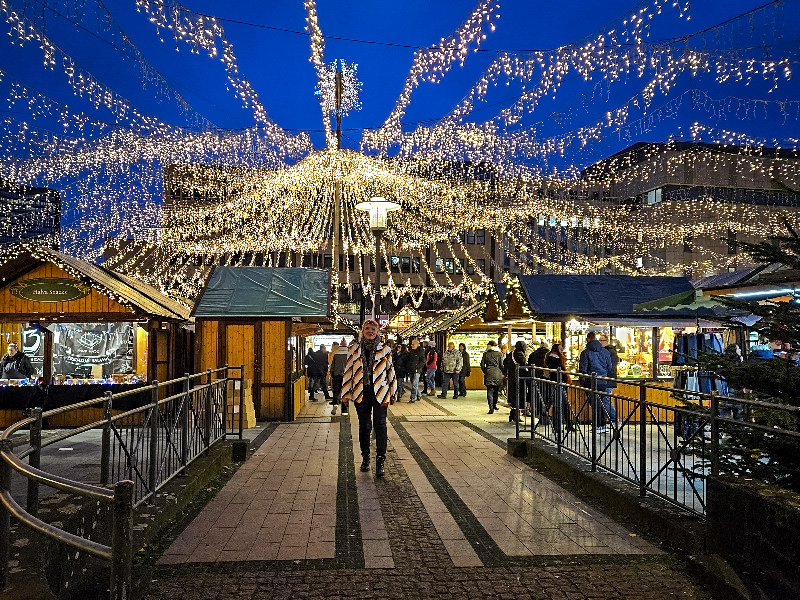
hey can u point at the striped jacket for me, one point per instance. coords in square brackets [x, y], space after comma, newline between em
[383, 378]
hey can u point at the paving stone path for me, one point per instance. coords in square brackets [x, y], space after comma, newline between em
[455, 517]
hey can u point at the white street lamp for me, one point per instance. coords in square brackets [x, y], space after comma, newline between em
[378, 209]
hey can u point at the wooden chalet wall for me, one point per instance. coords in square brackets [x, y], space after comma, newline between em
[96, 306]
[261, 346]
[169, 345]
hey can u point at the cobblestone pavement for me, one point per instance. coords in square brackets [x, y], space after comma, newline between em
[455, 517]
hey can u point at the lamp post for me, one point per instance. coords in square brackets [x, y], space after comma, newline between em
[378, 209]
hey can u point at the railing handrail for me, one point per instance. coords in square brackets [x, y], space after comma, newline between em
[687, 435]
[121, 496]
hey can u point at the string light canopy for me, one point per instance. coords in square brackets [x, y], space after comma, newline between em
[530, 186]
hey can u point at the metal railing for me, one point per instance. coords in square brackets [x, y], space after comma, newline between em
[141, 450]
[666, 450]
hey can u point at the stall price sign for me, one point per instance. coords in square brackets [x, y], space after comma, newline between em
[50, 289]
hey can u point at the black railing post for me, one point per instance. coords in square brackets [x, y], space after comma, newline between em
[154, 425]
[516, 401]
[34, 460]
[105, 443]
[183, 420]
[714, 434]
[208, 407]
[122, 541]
[6, 447]
[595, 417]
[558, 413]
[642, 439]
[241, 401]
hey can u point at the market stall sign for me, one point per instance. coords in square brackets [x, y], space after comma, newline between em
[50, 289]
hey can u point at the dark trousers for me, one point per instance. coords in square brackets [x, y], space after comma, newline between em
[492, 393]
[462, 384]
[336, 384]
[371, 414]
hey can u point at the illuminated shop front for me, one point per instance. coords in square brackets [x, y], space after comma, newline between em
[82, 325]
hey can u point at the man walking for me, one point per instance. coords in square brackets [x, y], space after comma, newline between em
[465, 370]
[451, 367]
[596, 359]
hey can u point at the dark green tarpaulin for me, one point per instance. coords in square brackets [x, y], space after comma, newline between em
[265, 292]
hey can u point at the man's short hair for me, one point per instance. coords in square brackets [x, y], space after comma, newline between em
[591, 335]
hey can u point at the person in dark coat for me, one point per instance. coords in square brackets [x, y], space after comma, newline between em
[557, 361]
[516, 394]
[537, 358]
[400, 360]
[465, 370]
[596, 359]
[493, 375]
[15, 364]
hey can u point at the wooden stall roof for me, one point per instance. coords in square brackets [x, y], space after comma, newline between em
[448, 321]
[136, 295]
[555, 297]
[265, 292]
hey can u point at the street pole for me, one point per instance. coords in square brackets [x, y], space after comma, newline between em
[376, 303]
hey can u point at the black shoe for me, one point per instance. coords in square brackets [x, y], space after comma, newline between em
[443, 397]
[491, 411]
[379, 472]
[345, 410]
[365, 465]
[455, 397]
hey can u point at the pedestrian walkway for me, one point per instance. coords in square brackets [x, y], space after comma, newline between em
[455, 517]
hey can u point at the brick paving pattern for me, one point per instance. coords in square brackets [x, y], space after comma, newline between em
[455, 517]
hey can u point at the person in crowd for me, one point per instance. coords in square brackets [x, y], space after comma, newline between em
[338, 360]
[536, 359]
[15, 364]
[425, 347]
[557, 360]
[370, 382]
[728, 407]
[416, 367]
[400, 359]
[465, 370]
[313, 373]
[513, 362]
[613, 350]
[431, 360]
[493, 375]
[451, 367]
[596, 359]
[321, 356]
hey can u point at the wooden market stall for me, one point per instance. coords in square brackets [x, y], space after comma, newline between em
[244, 316]
[86, 329]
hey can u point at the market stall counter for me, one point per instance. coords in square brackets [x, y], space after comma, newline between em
[15, 399]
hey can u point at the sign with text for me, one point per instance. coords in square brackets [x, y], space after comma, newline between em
[50, 289]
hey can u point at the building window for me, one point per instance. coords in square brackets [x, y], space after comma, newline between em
[467, 266]
[405, 264]
[327, 261]
[351, 262]
[394, 261]
[439, 265]
[688, 243]
[415, 264]
[481, 262]
[470, 237]
[480, 236]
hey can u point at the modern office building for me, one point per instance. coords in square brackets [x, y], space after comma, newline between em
[29, 213]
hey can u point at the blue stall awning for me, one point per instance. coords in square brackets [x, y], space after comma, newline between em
[600, 296]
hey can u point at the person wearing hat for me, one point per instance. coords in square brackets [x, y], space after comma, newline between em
[370, 382]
